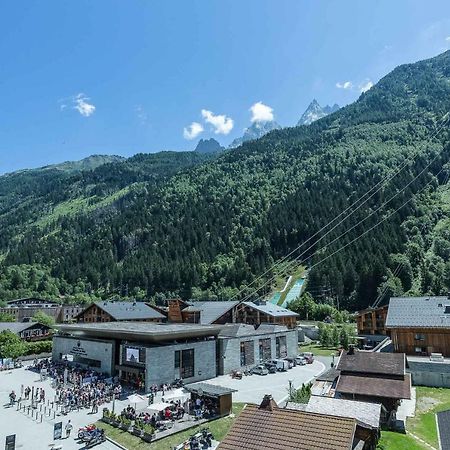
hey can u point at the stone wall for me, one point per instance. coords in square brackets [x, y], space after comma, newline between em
[98, 350]
[230, 349]
[160, 362]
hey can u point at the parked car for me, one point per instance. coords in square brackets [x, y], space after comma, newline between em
[292, 362]
[271, 367]
[260, 370]
[301, 361]
[282, 365]
[309, 357]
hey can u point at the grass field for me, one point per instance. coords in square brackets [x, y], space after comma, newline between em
[429, 402]
[317, 349]
[219, 428]
[397, 441]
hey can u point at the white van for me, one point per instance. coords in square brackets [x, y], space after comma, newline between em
[282, 365]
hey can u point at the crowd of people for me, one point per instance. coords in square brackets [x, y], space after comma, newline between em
[78, 387]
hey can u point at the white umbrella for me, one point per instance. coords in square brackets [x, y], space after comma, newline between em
[136, 398]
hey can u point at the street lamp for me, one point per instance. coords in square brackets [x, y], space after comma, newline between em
[290, 390]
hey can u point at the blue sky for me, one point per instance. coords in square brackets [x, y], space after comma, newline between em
[121, 77]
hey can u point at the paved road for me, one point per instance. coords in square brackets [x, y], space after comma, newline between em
[252, 388]
[31, 434]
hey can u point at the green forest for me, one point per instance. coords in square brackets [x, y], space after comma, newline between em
[205, 226]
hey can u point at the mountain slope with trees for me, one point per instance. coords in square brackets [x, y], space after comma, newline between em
[208, 227]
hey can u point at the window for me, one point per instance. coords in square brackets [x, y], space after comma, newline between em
[419, 337]
[265, 349]
[281, 347]
[184, 360]
[247, 353]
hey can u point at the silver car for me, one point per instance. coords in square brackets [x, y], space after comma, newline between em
[260, 370]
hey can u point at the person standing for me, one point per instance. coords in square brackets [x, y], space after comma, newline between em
[12, 398]
[69, 427]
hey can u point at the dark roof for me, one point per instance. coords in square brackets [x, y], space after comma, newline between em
[284, 429]
[140, 331]
[129, 310]
[33, 300]
[329, 375]
[271, 310]
[17, 327]
[443, 428]
[375, 387]
[211, 311]
[242, 329]
[372, 363]
[418, 312]
[210, 390]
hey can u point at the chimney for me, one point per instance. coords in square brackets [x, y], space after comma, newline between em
[268, 403]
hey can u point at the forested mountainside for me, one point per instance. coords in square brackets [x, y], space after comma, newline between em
[183, 225]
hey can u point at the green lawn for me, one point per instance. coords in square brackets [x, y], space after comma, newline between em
[391, 440]
[429, 402]
[219, 428]
[317, 349]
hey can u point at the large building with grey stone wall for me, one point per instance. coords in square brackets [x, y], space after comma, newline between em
[95, 353]
[236, 340]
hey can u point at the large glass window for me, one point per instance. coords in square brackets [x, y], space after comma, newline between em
[184, 360]
[247, 353]
[281, 347]
[265, 349]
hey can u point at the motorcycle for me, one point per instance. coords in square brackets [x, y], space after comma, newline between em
[236, 374]
[94, 437]
[87, 429]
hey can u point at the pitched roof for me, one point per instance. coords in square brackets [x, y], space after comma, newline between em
[281, 429]
[211, 311]
[372, 363]
[17, 327]
[209, 389]
[422, 312]
[329, 375]
[375, 387]
[366, 414]
[443, 428]
[242, 329]
[129, 310]
[272, 310]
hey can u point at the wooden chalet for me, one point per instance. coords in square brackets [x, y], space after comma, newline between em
[119, 311]
[374, 377]
[372, 321]
[419, 325]
[222, 312]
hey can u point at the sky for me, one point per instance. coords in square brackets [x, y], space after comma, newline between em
[122, 77]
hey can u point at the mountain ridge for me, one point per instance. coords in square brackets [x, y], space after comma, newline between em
[208, 227]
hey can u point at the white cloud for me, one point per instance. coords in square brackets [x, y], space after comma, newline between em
[447, 38]
[192, 131]
[82, 105]
[141, 115]
[344, 85]
[365, 86]
[261, 112]
[221, 123]
[79, 102]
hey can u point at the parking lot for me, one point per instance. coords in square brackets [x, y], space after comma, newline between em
[252, 388]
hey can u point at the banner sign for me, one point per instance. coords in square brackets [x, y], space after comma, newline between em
[10, 443]
[57, 431]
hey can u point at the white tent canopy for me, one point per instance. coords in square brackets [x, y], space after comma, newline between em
[177, 394]
[161, 406]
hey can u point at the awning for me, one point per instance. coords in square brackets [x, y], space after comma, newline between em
[177, 394]
[161, 406]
